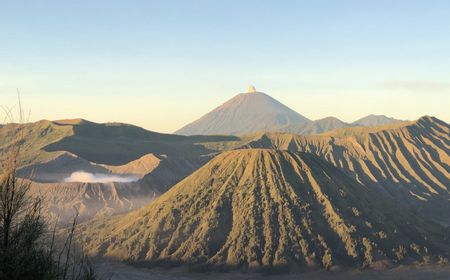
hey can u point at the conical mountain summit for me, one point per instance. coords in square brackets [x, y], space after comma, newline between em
[248, 112]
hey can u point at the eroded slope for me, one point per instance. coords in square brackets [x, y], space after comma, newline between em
[269, 209]
[411, 161]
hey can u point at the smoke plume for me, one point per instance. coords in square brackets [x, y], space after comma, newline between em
[86, 177]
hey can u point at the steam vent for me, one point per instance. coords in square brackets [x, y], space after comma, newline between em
[251, 89]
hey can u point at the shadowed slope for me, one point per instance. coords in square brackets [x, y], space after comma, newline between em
[118, 144]
[94, 199]
[268, 209]
[63, 165]
[102, 143]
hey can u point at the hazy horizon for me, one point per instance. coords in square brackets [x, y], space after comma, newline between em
[161, 65]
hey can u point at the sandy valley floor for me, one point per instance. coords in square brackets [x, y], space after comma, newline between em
[124, 272]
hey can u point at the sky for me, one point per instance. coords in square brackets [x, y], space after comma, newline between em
[162, 64]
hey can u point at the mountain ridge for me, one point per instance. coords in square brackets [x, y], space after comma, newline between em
[255, 111]
[374, 120]
[409, 160]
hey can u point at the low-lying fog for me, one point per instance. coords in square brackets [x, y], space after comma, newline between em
[87, 177]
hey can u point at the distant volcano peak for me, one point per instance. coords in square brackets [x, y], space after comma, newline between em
[249, 112]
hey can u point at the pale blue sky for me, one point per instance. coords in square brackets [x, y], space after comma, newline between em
[162, 64]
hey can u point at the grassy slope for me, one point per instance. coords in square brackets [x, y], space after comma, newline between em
[110, 143]
[117, 144]
[36, 136]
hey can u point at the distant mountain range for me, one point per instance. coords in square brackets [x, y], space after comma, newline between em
[352, 197]
[52, 151]
[374, 120]
[345, 196]
[258, 112]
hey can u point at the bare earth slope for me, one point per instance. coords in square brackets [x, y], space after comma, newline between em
[93, 199]
[411, 160]
[269, 209]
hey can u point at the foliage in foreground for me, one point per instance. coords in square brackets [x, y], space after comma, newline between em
[28, 249]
